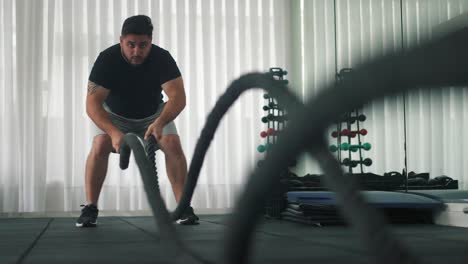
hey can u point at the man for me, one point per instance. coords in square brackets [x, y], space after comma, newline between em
[124, 95]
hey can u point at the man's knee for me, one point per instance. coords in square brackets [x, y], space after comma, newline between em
[102, 145]
[170, 144]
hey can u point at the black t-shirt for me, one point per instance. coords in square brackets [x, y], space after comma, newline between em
[135, 91]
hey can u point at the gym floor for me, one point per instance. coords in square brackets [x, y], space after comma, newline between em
[135, 240]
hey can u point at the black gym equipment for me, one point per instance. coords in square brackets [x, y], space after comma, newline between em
[353, 163]
[352, 118]
[274, 118]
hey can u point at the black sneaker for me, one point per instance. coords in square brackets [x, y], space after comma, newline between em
[88, 217]
[188, 218]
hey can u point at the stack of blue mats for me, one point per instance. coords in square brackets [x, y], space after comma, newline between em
[320, 208]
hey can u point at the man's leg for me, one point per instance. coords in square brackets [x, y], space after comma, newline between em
[96, 167]
[176, 168]
[176, 164]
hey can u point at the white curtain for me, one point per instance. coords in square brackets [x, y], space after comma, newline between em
[437, 119]
[331, 35]
[47, 48]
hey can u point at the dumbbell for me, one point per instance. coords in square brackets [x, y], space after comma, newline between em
[335, 134]
[352, 119]
[278, 72]
[272, 106]
[349, 163]
[345, 71]
[343, 146]
[353, 163]
[347, 132]
[269, 132]
[354, 148]
[263, 148]
[333, 148]
[271, 117]
[344, 132]
[267, 118]
[367, 162]
[343, 75]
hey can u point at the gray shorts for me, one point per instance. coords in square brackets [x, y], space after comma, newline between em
[137, 126]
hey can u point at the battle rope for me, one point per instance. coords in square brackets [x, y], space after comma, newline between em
[167, 231]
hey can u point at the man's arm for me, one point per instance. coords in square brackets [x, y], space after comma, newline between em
[175, 92]
[94, 100]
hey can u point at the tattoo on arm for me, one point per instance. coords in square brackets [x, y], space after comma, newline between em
[93, 87]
